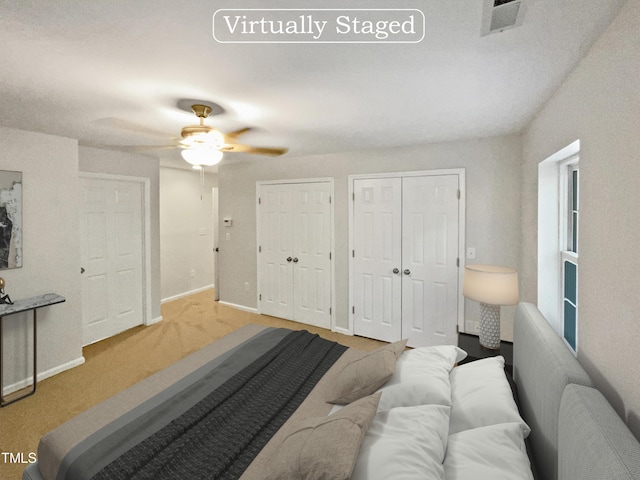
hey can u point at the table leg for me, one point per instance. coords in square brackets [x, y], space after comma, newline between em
[3, 402]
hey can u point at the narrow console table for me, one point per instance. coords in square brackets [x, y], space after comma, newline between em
[33, 303]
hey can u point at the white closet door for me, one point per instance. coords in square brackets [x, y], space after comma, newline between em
[377, 241]
[311, 253]
[430, 252]
[111, 230]
[276, 243]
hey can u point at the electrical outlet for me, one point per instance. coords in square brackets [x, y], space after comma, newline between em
[471, 253]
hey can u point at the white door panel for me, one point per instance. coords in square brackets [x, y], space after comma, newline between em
[276, 280]
[430, 251]
[311, 252]
[112, 260]
[377, 233]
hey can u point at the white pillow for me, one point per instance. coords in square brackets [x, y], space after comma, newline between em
[421, 377]
[494, 452]
[481, 395]
[404, 442]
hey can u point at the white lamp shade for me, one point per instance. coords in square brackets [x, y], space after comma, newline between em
[491, 284]
[202, 156]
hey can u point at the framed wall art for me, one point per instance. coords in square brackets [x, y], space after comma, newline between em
[10, 219]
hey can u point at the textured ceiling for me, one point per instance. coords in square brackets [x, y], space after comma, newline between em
[113, 74]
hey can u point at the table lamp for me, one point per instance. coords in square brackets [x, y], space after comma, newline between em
[492, 286]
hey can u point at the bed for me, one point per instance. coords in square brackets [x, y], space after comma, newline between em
[288, 404]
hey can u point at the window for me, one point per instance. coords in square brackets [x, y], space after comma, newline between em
[558, 241]
[569, 217]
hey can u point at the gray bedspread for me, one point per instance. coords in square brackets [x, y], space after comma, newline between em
[87, 444]
[220, 435]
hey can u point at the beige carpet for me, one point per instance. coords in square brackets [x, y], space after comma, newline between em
[116, 363]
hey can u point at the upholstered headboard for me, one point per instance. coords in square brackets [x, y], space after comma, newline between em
[542, 367]
[594, 442]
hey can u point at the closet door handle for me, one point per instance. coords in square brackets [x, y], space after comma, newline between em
[407, 271]
[396, 271]
[295, 260]
[289, 259]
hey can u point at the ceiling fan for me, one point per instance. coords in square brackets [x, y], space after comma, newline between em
[203, 145]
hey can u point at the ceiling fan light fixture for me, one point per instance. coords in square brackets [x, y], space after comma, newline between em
[203, 156]
[212, 138]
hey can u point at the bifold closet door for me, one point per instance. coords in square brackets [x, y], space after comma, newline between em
[295, 252]
[377, 258]
[405, 237]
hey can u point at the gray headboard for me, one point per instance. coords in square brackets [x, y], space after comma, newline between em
[542, 367]
[594, 442]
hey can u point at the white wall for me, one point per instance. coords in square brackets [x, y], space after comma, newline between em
[94, 160]
[493, 169]
[599, 104]
[51, 262]
[186, 231]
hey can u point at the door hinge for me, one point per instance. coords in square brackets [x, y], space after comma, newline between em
[259, 248]
[457, 329]
[260, 297]
[329, 310]
[353, 197]
[329, 255]
[459, 194]
[458, 262]
[353, 253]
[353, 309]
[259, 200]
[329, 198]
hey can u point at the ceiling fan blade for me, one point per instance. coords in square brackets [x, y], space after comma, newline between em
[142, 148]
[119, 123]
[237, 133]
[239, 148]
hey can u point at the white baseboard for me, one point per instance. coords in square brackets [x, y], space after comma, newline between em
[344, 331]
[239, 307]
[186, 294]
[154, 320]
[42, 375]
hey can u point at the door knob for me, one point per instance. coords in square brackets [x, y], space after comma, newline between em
[407, 271]
[396, 271]
[295, 260]
[289, 259]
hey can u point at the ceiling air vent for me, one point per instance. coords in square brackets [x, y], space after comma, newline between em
[500, 15]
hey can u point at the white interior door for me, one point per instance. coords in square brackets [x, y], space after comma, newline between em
[276, 251]
[377, 258]
[312, 253]
[430, 253]
[111, 252]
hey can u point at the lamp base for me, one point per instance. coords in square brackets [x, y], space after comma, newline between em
[490, 326]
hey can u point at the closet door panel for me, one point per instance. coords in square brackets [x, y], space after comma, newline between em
[311, 253]
[430, 251]
[377, 252]
[276, 237]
